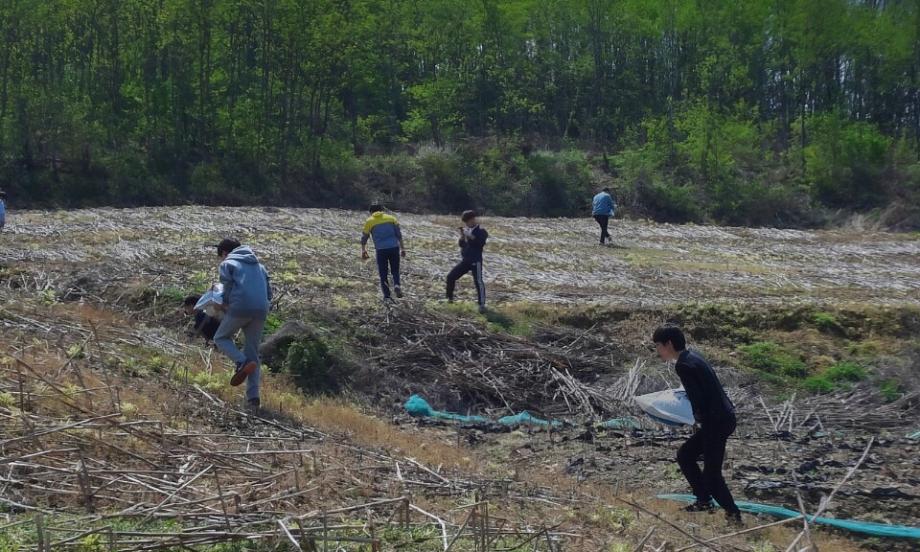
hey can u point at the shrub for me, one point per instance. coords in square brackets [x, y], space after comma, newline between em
[845, 160]
[311, 363]
[445, 181]
[744, 202]
[773, 359]
[671, 203]
[562, 182]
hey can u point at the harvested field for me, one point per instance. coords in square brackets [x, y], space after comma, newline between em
[545, 260]
[118, 432]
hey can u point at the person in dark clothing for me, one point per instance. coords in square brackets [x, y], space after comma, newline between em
[388, 243]
[715, 416]
[205, 326]
[472, 240]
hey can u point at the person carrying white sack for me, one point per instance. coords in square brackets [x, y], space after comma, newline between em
[246, 301]
[715, 414]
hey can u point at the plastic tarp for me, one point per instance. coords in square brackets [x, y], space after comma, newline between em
[419, 407]
[914, 435]
[211, 301]
[865, 527]
[671, 407]
[526, 418]
[621, 423]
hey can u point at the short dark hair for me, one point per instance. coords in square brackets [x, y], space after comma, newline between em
[468, 215]
[191, 300]
[664, 334]
[606, 189]
[227, 245]
[375, 207]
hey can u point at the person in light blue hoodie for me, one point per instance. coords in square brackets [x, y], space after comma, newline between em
[603, 208]
[247, 299]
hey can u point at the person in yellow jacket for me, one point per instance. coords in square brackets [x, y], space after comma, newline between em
[388, 242]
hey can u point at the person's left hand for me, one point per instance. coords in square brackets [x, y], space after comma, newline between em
[402, 253]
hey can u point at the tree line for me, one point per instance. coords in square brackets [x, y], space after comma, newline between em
[738, 111]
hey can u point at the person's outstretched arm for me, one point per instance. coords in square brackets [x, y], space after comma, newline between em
[364, 238]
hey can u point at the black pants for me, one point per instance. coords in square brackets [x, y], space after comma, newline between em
[603, 221]
[709, 442]
[387, 260]
[460, 270]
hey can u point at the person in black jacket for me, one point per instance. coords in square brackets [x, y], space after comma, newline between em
[715, 416]
[205, 326]
[472, 240]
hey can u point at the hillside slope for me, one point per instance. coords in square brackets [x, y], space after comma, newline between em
[124, 434]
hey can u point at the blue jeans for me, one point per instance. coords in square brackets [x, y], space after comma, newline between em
[252, 327]
[387, 261]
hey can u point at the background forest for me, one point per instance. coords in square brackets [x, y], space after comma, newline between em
[747, 112]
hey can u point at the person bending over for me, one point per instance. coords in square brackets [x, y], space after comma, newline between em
[472, 241]
[388, 244]
[715, 416]
[205, 326]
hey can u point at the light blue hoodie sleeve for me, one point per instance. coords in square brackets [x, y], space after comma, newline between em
[226, 278]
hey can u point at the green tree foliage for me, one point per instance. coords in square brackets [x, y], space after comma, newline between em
[744, 112]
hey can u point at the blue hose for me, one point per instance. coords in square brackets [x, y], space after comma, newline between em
[865, 527]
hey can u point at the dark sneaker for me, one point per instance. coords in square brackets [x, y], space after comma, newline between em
[482, 309]
[734, 518]
[699, 507]
[254, 404]
[243, 372]
[399, 293]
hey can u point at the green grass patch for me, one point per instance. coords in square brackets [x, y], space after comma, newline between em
[772, 358]
[827, 323]
[891, 390]
[272, 323]
[835, 377]
[173, 294]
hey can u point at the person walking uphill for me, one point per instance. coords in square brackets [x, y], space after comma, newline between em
[472, 241]
[388, 243]
[247, 298]
[715, 414]
[603, 208]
